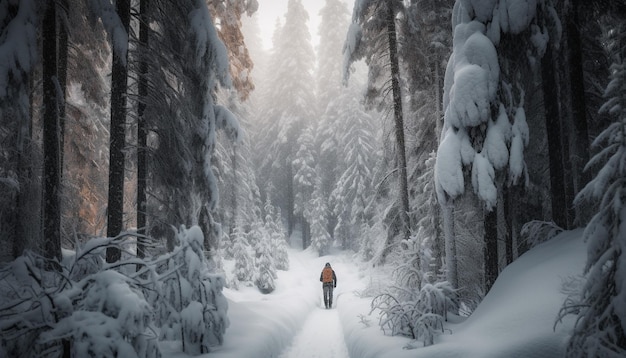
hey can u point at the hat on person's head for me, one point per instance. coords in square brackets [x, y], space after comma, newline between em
[327, 264]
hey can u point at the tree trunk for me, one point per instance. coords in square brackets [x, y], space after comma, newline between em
[580, 136]
[399, 122]
[447, 211]
[510, 219]
[233, 190]
[51, 141]
[119, 72]
[142, 132]
[491, 248]
[62, 75]
[554, 131]
[290, 200]
[306, 233]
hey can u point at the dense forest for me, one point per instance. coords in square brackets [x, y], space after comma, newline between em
[143, 142]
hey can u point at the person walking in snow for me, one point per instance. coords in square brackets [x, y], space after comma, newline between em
[329, 281]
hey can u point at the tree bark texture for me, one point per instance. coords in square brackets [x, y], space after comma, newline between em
[234, 200]
[447, 211]
[290, 200]
[119, 78]
[579, 139]
[491, 248]
[62, 76]
[399, 122]
[554, 131]
[51, 140]
[142, 132]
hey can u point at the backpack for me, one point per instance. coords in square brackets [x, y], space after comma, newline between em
[327, 275]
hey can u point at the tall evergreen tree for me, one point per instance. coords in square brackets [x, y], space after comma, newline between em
[142, 130]
[19, 25]
[485, 129]
[427, 43]
[119, 84]
[354, 190]
[52, 140]
[184, 118]
[320, 238]
[305, 177]
[600, 329]
[371, 21]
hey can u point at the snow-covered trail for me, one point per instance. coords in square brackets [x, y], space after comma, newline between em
[292, 320]
[320, 337]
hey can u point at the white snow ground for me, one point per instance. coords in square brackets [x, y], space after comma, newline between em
[516, 319]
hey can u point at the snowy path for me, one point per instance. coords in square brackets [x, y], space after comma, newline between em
[291, 321]
[321, 337]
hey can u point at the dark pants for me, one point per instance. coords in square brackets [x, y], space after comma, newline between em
[328, 294]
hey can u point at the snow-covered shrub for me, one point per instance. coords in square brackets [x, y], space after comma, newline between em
[189, 289]
[110, 319]
[535, 232]
[414, 313]
[84, 309]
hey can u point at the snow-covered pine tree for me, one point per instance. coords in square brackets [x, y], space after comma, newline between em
[255, 235]
[18, 46]
[304, 180]
[485, 130]
[320, 238]
[280, 254]
[372, 36]
[234, 170]
[265, 266]
[601, 326]
[273, 228]
[227, 246]
[354, 188]
[185, 117]
[427, 43]
[242, 254]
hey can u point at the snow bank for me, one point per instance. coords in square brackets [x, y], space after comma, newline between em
[516, 318]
